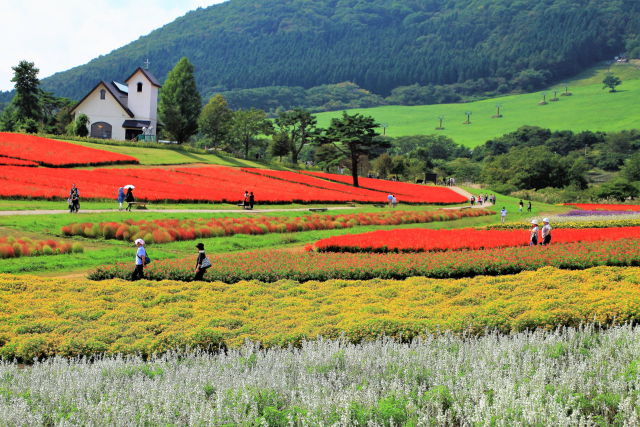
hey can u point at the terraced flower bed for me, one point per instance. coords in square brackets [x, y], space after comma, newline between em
[55, 153]
[421, 240]
[68, 317]
[271, 266]
[162, 231]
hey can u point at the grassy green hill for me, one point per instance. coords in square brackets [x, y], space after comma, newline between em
[590, 108]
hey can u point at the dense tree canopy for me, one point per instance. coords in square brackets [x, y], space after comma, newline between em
[380, 45]
[179, 103]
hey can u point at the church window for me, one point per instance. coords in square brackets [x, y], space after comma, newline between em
[102, 94]
[139, 87]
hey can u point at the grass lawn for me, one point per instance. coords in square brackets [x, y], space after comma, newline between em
[170, 156]
[590, 108]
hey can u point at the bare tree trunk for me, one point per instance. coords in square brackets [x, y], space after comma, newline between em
[354, 169]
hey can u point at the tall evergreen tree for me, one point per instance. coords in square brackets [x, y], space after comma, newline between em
[179, 104]
[27, 103]
[353, 136]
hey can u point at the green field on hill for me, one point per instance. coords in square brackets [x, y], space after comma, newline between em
[590, 108]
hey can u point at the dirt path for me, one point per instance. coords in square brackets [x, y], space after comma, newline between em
[254, 211]
[468, 195]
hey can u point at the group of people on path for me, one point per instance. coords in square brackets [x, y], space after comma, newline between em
[392, 200]
[248, 200]
[521, 206]
[128, 197]
[482, 199]
[142, 260]
[545, 233]
[74, 199]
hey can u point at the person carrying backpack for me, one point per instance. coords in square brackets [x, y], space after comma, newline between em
[202, 263]
[141, 260]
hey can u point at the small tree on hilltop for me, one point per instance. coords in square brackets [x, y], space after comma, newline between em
[179, 104]
[610, 81]
[353, 136]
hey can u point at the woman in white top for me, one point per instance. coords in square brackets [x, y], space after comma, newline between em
[546, 232]
[141, 255]
[533, 238]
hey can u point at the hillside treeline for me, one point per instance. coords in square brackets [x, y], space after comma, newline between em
[411, 50]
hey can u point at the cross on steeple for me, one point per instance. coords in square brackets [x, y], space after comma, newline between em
[146, 64]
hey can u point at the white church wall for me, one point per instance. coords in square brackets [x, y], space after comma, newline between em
[144, 104]
[104, 110]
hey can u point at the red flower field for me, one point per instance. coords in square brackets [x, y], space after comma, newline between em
[54, 153]
[187, 184]
[9, 161]
[402, 190]
[422, 240]
[603, 207]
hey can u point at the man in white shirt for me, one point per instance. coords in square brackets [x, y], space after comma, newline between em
[546, 232]
[141, 255]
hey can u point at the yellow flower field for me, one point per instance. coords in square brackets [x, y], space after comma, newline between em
[47, 316]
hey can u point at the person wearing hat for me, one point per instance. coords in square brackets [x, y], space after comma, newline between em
[533, 239]
[202, 263]
[141, 256]
[546, 232]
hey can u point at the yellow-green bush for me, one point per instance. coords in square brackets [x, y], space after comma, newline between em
[47, 316]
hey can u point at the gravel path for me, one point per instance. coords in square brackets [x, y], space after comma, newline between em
[254, 211]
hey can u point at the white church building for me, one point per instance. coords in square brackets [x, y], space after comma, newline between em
[122, 111]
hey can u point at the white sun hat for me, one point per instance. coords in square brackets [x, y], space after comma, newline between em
[139, 241]
[535, 221]
[545, 219]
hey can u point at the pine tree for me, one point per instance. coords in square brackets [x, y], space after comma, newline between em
[179, 105]
[27, 98]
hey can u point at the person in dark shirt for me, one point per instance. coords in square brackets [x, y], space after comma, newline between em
[252, 200]
[202, 263]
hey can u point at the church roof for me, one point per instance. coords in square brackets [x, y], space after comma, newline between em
[113, 90]
[147, 74]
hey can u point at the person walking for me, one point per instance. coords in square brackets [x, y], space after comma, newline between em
[389, 199]
[252, 200]
[202, 263]
[394, 202]
[245, 199]
[503, 214]
[533, 238]
[529, 207]
[120, 198]
[520, 206]
[129, 198]
[74, 198]
[141, 260]
[546, 232]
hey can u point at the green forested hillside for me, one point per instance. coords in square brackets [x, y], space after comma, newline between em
[492, 45]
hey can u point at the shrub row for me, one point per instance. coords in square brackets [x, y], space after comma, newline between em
[10, 247]
[169, 230]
